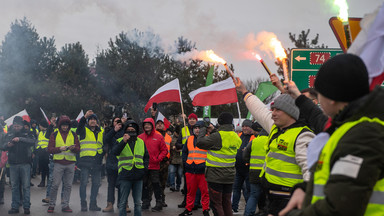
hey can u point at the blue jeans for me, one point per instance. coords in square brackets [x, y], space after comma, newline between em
[253, 199]
[175, 170]
[20, 175]
[238, 185]
[96, 179]
[124, 190]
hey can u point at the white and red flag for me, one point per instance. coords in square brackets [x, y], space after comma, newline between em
[23, 113]
[161, 117]
[45, 116]
[369, 46]
[81, 114]
[169, 92]
[223, 92]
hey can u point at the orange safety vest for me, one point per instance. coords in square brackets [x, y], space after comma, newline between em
[195, 154]
[168, 140]
[252, 137]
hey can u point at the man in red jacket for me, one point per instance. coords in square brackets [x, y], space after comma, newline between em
[157, 151]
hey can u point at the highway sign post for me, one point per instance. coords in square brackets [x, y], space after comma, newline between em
[306, 62]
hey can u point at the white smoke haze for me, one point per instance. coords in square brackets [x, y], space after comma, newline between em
[220, 25]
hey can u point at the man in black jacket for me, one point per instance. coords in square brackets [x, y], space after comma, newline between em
[18, 143]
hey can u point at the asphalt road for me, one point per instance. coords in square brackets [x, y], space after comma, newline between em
[39, 208]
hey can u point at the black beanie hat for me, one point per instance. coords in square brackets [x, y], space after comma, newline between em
[43, 123]
[18, 120]
[343, 78]
[256, 126]
[225, 118]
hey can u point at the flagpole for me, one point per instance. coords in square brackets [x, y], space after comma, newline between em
[238, 110]
[182, 108]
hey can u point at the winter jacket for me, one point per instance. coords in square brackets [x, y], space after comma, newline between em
[20, 152]
[175, 153]
[241, 168]
[88, 161]
[220, 175]
[134, 174]
[263, 116]
[311, 114]
[110, 137]
[156, 146]
[346, 194]
[52, 149]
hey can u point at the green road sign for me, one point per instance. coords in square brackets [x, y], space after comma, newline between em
[306, 62]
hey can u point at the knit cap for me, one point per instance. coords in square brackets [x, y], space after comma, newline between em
[225, 118]
[286, 103]
[246, 123]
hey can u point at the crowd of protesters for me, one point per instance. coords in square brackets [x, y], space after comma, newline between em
[315, 152]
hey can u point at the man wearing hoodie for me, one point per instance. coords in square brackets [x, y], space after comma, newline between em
[18, 142]
[133, 162]
[221, 158]
[91, 156]
[63, 144]
[157, 151]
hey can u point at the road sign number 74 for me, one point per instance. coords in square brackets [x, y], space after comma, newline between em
[318, 58]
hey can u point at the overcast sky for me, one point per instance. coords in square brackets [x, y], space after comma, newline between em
[220, 25]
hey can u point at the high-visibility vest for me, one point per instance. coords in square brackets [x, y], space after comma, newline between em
[67, 155]
[167, 140]
[195, 154]
[127, 159]
[89, 146]
[42, 141]
[323, 169]
[258, 152]
[226, 156]
[185, 134]
[5, 128]
[280, 165]
[250, 139]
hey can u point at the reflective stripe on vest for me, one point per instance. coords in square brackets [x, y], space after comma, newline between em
[69, 141]
[42, 142]
[323, 169]
[258, 152]
[167, 140]
[185, 134]
[280, 162]
[195, 154]
[89, 146]
[126, 158]
[226, 156]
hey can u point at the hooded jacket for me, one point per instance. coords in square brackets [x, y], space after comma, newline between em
[155, 144]
[52, 149]
[345, 195]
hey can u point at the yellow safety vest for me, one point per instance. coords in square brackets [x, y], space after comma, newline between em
[258, 152]
[67, 155]
[185, 134]
[323, 169]
[42, 142]
[127, 159]
[89, 146]
[226, 156]
[280, 165]
[5, 129]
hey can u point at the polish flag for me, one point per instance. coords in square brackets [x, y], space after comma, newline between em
[81, 114]
[162, 118]
[223, 92]
[369, 45]
[22, 114]
[45, 116]
[169, 92]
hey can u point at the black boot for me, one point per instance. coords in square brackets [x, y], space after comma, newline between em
[84, 207]
[94, 207]
[158, 207]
